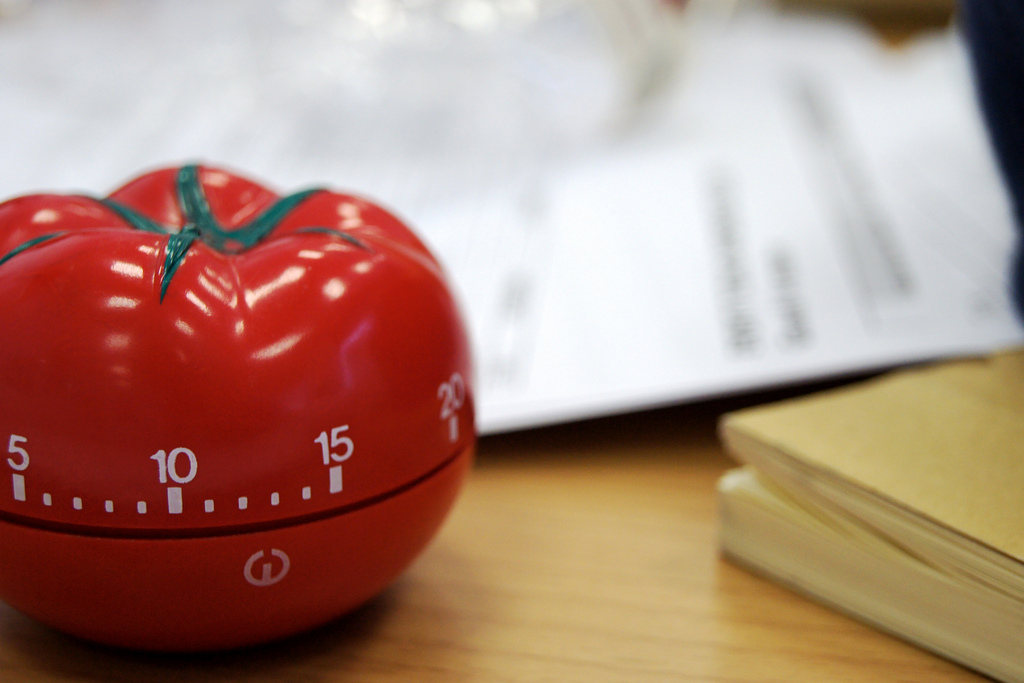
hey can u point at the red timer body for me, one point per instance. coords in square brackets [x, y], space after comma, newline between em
[225, 416]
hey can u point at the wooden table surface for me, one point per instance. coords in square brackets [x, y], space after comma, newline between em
[583, 552]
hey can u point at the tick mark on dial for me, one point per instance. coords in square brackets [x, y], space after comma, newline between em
[174, 502]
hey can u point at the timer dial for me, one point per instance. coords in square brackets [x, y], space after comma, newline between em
[195, 357]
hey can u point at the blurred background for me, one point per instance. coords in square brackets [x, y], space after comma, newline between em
[640, 202]
[391, 84]
[387, 84]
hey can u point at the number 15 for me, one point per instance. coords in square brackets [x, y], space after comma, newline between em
[337, 441]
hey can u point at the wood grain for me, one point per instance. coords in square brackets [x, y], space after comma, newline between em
[585, 552]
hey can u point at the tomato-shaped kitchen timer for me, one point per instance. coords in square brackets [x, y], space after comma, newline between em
[225, 416]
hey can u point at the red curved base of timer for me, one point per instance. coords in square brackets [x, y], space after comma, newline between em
[189, 594]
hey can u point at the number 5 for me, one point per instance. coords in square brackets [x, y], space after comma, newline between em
[13, 447]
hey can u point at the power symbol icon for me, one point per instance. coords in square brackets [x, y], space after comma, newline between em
[267, 575]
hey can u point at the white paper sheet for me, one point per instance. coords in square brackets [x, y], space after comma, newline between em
[814, 204]
[805, 203]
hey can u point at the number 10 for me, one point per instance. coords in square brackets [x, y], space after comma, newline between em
[168, 464]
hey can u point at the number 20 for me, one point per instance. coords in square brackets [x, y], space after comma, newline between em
[452, 394]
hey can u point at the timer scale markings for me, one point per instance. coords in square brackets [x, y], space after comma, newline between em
[175, 497]
[451, 393]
